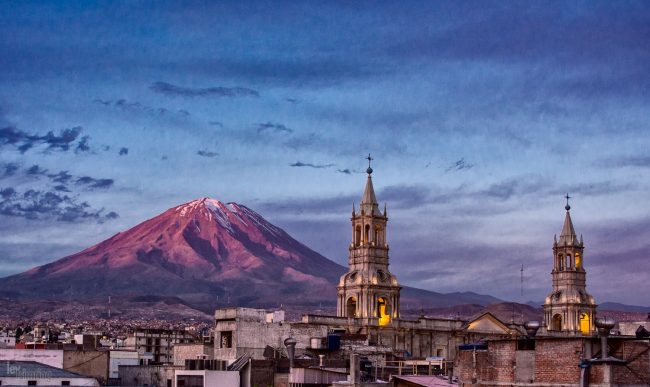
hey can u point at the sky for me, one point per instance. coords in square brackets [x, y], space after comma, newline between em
[480, 117]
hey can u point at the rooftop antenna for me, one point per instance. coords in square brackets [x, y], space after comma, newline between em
[522, 281]
[522, 290]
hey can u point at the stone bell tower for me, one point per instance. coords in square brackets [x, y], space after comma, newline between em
[368, 290]
[569, 309]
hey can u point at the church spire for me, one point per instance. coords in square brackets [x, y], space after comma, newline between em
[369, 200]
[568, 235]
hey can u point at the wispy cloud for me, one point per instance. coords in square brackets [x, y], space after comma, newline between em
[131, 106]
[216, 91]
[276, 128]
[60, 179]
[459, 165]
[639, 161]
[43, 205]
[24, 141]
[310, 165]
[207, 153]
[8, 169]
[405, 196]
[91, 182]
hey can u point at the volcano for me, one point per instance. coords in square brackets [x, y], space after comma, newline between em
[205, 252]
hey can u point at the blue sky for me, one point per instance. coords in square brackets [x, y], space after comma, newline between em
[480, 117]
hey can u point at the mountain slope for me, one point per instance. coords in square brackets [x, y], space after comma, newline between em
[202, 251]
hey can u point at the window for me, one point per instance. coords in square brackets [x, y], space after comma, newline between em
[65, 382]
[383, 311]
[31, 382]
[351, 307]
[226, 339]
[357, 235]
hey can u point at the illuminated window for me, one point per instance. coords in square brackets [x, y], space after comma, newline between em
[584, 323]
[383, 310]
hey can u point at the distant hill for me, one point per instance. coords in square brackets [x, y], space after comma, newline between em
[205, 254]
[623, 307]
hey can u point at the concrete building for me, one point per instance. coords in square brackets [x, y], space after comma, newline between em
[569, 309]
[206, 378]
[7, 339]
[159, 342]
[121, 357]
[31, 373]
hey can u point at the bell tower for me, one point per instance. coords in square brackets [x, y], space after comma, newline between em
[368, 290]
[569, 309]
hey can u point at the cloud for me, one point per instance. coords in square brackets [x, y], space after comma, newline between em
[641, 161]
[522, 185]
[61, 142]
[404, 196]
[126, 105]
[36, 170]
[91, 182]
[82, 146]
[61, 177]
[347, 171]
[124, 151]
[44, 205]
[61, 188]
[216, 91]
[277, 128]
[9, 169]
[216, 123]
[459, 165]
[299, 205]
[207, 153]
[310, 165]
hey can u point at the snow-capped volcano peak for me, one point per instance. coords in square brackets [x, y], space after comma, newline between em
[196, 250]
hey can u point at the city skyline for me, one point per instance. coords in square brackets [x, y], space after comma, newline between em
[480, 118]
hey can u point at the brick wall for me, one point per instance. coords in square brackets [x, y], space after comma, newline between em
[464, 367]
[556, 360]
[637, 370]
[501, 360]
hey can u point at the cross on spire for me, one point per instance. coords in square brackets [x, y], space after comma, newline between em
[567, 207]
[369, 170]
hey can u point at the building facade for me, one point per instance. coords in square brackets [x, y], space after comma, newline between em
[158, 342]
[569, 309]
